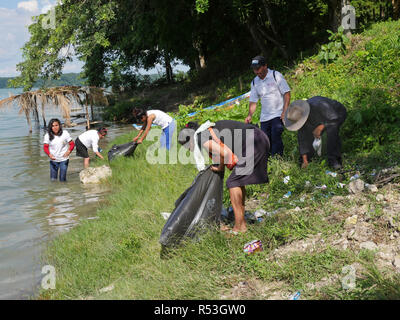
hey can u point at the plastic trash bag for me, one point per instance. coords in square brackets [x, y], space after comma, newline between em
[317, 145]
[198, 207]
[125, 150]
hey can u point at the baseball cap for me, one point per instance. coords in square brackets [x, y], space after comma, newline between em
[258, 61]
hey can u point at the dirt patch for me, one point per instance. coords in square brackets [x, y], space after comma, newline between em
[257, 289]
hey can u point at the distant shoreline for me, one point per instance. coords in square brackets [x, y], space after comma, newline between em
[71, 79]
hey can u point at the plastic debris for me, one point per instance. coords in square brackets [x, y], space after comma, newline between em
[165, 215]
[295, 296]
[330, 173]
[287, 195]
[253, 246]
[317, 145]
[227, 214]
[286, 180]
[260, 213]
[308, 183]
[340, 185]
[323, 187]
[356, 176]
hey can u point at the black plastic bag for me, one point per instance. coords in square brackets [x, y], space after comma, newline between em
[198, 207]
[126, 150]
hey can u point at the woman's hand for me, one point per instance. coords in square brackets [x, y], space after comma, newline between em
[66, 155]
[52, 157]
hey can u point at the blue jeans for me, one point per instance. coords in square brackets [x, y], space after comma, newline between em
[273, 129]
[55, 166]
[166, 136]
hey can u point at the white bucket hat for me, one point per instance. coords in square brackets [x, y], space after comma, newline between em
[296, 115]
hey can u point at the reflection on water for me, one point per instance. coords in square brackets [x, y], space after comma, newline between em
[33, 209]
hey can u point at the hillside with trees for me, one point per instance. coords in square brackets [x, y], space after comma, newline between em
[214, 38]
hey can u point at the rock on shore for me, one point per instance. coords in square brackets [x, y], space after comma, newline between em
[94, 175]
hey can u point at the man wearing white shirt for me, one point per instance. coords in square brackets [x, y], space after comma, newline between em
[274, 92]
[89, 139]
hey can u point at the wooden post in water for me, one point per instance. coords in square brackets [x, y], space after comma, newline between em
[87, 111]
[43, 115]
[91, 107]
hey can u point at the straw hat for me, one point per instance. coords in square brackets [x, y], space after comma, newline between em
[296, 115]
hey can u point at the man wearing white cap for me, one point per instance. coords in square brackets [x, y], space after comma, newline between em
[271, 87]
[311, 118]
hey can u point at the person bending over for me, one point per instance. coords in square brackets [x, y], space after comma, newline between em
[158, 117]
[241, 147]
[89, 139]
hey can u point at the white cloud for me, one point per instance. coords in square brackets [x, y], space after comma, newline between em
[47, 5]
[31, 6]
[13, 27]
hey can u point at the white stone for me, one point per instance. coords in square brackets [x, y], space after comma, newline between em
[372, 188]
[356, 186]
[379, 197]
[95, 175]
[107, 289]
[368, 245]
[351, 220]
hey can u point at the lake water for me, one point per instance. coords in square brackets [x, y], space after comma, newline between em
[34, 210]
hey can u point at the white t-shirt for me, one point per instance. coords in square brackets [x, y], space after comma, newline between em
[161, 118]
[89, 139]
[58, 146]
[271, 94]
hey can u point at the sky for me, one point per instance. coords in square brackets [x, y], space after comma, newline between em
[15, 17]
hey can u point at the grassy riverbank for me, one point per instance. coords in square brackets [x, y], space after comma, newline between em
[306, 244]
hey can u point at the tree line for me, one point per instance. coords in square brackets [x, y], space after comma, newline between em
[116, 38]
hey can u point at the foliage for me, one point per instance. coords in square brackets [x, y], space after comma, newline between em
[122, 110]
[119, 37]
[337, 46]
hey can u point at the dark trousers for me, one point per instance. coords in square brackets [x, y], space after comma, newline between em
[333, 144]
[273, 129]
[55, 166]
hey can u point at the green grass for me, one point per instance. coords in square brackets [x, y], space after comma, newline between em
[121, 247]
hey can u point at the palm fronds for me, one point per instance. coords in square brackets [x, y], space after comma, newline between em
[59, 97]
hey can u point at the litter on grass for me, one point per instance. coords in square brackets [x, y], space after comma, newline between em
[330, 173]
[287, 195]
[295, 296]
[286, 180]
[356, 176]
[165, 215]
[253, 246]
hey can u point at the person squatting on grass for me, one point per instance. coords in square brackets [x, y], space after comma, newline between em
[89, 139]
[242, 147]
[158, 117]
[311, 118]
[274, 92]
[58, 145]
